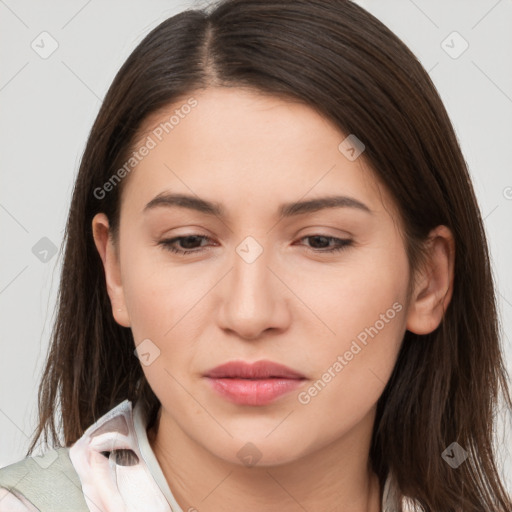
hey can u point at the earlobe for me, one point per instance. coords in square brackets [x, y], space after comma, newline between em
[434, 287]
[107, 252]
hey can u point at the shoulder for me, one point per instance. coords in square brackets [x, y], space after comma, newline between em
[42, 483]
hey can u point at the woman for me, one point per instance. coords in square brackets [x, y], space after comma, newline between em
[273, 212]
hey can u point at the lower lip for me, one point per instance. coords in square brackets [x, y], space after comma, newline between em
[253, 391]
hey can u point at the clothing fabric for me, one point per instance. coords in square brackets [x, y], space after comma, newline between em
[111, 468]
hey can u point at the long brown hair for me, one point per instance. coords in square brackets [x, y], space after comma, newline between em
[340, 60]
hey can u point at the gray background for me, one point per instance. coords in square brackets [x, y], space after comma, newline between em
[48, 106]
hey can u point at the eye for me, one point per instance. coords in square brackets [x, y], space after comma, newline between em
[189, 241]
[340, 243]
[189, 244]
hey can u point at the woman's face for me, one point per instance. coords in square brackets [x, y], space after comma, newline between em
[256, 285]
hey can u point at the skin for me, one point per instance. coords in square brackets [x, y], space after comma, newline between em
[294, 304]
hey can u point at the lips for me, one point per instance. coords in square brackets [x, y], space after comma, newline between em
[253, 384]
[258, 370]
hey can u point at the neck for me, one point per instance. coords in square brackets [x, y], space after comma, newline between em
[336, 477]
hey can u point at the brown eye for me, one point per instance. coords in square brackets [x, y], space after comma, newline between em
[324, 242]
[189, 242]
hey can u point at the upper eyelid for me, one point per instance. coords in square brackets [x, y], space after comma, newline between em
[316, 230]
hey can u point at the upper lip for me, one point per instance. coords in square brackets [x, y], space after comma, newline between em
[259, 370]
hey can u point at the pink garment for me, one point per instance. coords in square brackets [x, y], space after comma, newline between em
[108, 484]
[9, 502]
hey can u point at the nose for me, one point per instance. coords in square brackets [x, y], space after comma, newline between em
[255, 298]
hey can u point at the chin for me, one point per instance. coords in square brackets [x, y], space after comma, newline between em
[260, 451]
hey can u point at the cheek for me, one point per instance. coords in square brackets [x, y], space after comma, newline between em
[365, 289]
[364, 304]
[160, 297]
[162, 303]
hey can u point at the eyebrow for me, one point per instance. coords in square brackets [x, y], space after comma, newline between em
[285, 210]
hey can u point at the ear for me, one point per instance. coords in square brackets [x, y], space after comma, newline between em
[433, 288]
[109, 256]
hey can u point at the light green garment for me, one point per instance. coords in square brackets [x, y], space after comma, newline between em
[55, 488]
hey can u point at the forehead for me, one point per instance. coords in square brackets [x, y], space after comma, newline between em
[244, 146]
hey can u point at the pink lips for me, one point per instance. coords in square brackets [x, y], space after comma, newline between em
[253, 384]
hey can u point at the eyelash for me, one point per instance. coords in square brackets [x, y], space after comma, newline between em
[168, 244]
